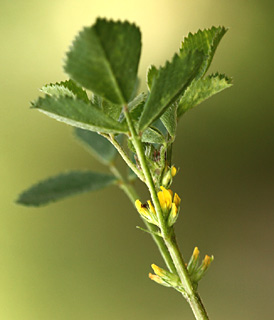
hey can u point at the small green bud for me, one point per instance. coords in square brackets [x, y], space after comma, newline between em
[168, 177]
[202, 268]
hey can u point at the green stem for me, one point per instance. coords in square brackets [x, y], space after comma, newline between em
[136, 140]
[193, 298]
[168, 236]
[169, 153]
[132, 195]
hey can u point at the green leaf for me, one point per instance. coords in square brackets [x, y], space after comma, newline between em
[169, 119]
[104, 58]
[169, 84]
[136, 112]
[79, 114]
[96, 100]
[64, 185]
[65, 88]
[151, 75]
[160, 126]
[206, 41]
[202, 89]
[153, 135]
[97, 145]
[141, 98]
[113, 110]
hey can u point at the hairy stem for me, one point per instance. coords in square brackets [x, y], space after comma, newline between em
[167, 233]
[124, 156]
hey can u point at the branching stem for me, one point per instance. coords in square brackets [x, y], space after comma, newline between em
[167, 233]
[131, 165]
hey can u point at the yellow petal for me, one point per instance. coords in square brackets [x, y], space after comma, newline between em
[162, 200]
[155, 278]
[157, 270]
[151, 208]
[171, 192]
[138, 205]
[143, 211]
[206, 262]
[196, 253]
[173, 171]
[166, 198]
[174, 210]
[177, 200]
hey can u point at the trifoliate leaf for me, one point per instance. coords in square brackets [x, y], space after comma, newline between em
[202, 89]
[64, 185]
[65, 88]
[79, 114]
[206, 41]
[169, 84]
[153, 135]
[169, 119]
[97, 145]
[104, 58]
[151, 74]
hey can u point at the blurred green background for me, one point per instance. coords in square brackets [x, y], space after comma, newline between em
[83, 258]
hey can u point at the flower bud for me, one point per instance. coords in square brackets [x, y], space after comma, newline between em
[168, 176]
[193, 261]
[165, 278]
[196, 271]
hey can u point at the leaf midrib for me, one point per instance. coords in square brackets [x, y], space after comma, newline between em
[110, 67]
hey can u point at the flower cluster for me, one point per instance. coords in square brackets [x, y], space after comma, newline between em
[195, 269]
[170, 206]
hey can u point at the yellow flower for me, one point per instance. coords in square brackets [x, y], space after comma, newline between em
[141, 208]
[177, 200]
[169, 205]
[165, 198]
[147, 211]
